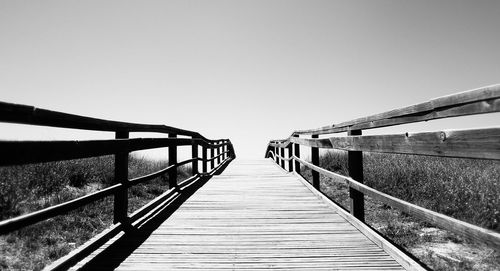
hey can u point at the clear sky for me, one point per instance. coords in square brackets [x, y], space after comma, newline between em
[245, 70]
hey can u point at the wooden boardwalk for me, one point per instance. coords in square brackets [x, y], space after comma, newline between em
[254, 216]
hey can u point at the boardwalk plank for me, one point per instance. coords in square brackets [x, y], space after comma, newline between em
[254, 216]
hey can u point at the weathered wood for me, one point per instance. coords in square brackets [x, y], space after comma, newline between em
[252, 216]
[465, 229]
[478, 101]
[226, 150]
[475, 143]
[121, 176]
[205, 161]
[215, 157]
[209, 144]
[316, 143]
[212, 160]
[355, 169]
[315, 161]
[25, 114]
[270, 154]
[280, 144]
[162, 199]
[194, 155]
[281, 158]
[276, 155]
[290, 160]
[296, 152]
[172, 160]
[282, 154]
[228, 154]
[25, 152]
[160, 173]
[137, 220]
[218, 152]
[406, 261]
[232, 153]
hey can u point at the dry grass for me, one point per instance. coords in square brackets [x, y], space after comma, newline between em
[28, 188]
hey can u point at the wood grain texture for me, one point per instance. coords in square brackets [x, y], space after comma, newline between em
[406, 261]
[25, 152]
[254, 216]
[25, 114]
[475, 143]
[477, 101]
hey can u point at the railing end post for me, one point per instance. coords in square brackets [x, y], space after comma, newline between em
[355, 167]
[296, 153]
[315, 161]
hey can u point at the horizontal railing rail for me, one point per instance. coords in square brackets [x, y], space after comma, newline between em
[25, 114]
[478, 101]
[26, 152]
[472, 143]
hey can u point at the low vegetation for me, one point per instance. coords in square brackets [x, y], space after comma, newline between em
[28, 188]
[465, 189]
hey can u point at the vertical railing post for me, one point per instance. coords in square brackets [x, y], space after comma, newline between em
[172, 160]
[276, 154]
[355, 167]
[218, 152]
[315, 161]
[194, 155]
[212, 155]
[121, 176]
[296, 152]
[282, 154]
[204, 154]
[290, 162]
[224, 149]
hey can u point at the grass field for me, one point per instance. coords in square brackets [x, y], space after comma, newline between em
[28, 188]
[465, 189]
[462, 188]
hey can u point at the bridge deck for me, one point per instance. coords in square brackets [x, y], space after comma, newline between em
[255, 216]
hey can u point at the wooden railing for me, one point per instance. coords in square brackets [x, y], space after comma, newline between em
[475, 143]
[25, 152]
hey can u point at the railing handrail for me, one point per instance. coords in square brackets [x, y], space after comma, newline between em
[477, 101]
[25, 152]
[26, 114]
[481, 143]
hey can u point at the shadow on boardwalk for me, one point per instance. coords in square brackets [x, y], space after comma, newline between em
[113, 255]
